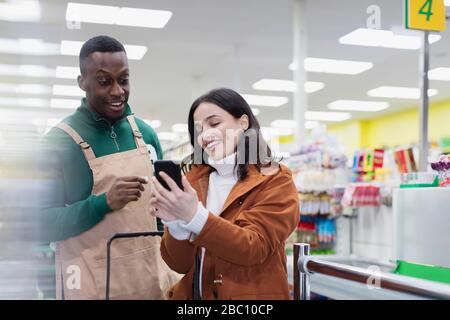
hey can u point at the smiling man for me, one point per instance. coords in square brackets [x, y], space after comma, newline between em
[101, 162]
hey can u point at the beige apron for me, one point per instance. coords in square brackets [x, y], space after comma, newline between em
[137, 269]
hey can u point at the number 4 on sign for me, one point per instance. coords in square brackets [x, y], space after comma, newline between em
[425, 15]
[426, 9]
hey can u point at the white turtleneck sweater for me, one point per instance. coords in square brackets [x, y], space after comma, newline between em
[220, 184]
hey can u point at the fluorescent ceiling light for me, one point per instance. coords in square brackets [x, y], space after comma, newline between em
[255, 111]
[398, 92]
[265, 101]
[355, 105]
[442, 74]
[26, 71]
[312, 118]
[65, 103]
[155, 124]
[286, 85]
[167, 136]
[35, 47]
[135, 17]
[45, 122]
[327, 116]
[64, 90]
[23, 102]
[281, 132]
[283, 124]
[334, 66]
[143, 18]
[20, 11]
[67, 72]
[72, 48]
[180, 128]
[24, 88]
[311, 124]
[384, 39]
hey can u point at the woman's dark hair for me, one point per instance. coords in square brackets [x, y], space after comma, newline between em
[233, 103]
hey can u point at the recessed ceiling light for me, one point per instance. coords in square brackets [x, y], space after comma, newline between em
[64, 90]
[334, 66]
[23, 102]
[265, 101]
[327, 116]
[20, 11]
[135, 17]
[24, 88]
[398, 92]
[355, 105]
[35, 71]
[67, 72]
[286, 85]
[34, 47]
[72, 48]
[65, 103]
[442, 74]
[384, 39]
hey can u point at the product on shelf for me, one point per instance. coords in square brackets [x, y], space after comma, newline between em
[404, 159]
[315, 203]
[442, 166]
[366, 163]
[419, 180]
[320, 233]
[361, 195]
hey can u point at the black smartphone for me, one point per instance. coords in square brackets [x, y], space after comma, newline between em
[170, 168]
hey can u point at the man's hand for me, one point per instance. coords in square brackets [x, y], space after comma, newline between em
[124, 190]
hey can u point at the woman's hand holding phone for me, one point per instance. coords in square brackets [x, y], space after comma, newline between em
[174, 204]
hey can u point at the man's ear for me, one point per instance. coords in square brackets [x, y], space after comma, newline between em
[81, 83]
[244, 122]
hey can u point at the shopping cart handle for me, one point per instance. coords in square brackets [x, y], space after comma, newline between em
[119, 236]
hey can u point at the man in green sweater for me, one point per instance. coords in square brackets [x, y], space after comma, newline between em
[73, 209]
[100, 159]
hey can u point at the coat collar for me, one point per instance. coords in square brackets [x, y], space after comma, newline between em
[199, 177]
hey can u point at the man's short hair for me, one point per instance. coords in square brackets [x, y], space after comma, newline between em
[98, 44]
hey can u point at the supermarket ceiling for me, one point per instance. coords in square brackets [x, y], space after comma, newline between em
[234, 43]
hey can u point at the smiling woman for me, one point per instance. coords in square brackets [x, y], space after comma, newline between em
[227, 227]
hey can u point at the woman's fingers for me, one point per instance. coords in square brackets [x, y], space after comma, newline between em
[161, 191]
[187, 186]
[172, 185]
[157, 193]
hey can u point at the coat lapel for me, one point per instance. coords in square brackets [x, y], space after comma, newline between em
[199, 179]
[253, 179]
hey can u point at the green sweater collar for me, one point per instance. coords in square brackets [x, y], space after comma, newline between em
[93, 115]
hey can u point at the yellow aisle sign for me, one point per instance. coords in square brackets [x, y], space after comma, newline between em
[425, 15]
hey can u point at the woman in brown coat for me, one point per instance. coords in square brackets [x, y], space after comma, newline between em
[229, 223]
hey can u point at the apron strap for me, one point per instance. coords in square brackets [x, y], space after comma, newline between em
[138, 138]
[85, 147]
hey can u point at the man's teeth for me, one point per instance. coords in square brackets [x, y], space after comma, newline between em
[116, 104]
